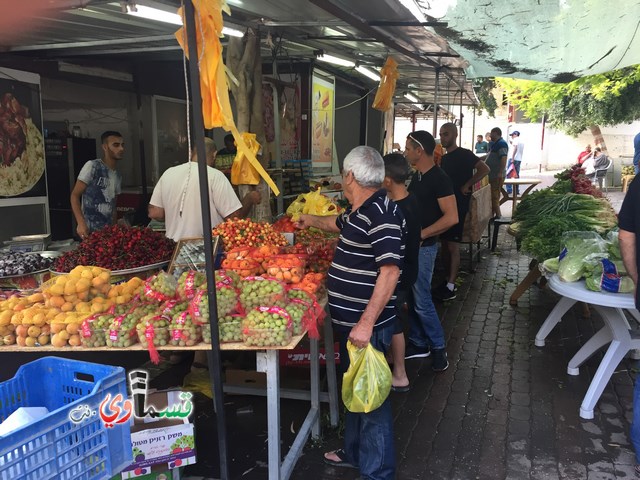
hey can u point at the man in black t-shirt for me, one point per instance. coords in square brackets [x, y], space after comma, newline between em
[438, 213]
[629, 222]
[459, 164]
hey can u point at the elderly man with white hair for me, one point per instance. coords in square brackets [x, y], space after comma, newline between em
[361, 284]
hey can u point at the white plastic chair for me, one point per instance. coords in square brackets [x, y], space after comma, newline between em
[600, 176]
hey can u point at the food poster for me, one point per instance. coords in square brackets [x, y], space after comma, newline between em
[322, 109]
[22, 162]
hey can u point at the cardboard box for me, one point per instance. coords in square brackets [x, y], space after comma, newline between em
[160, 443]
[246, 378]
[175, 474]
[165, 447]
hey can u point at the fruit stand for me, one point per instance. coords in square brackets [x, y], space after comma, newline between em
[88, 310]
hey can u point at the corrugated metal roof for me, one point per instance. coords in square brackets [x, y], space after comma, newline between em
[541, 39]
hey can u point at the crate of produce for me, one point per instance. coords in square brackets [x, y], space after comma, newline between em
[54, 446]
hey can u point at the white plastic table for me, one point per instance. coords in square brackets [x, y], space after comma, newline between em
[615, 331]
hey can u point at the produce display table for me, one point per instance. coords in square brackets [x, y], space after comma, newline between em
[616, 331]
[513, 196]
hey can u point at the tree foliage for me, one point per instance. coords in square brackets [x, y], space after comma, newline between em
[483, 88]
[603, 99]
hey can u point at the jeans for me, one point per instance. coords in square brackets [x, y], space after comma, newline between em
[636, 168]
[635, 424]
[424, 327]
[368, 437]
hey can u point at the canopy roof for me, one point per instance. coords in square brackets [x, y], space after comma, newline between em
[458, 40]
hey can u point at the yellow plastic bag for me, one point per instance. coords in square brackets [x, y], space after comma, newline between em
[242, 170]
[367, 383]
[312, 203]
[387, 88]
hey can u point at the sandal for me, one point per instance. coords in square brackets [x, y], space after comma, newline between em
[403, 389]
[341, 463]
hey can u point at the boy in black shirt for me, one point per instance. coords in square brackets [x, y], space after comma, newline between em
[396, 171]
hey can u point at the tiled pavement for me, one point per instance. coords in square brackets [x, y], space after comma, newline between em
[505, 408]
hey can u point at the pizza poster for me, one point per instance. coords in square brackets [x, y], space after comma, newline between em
[322, 111]
[22, 161]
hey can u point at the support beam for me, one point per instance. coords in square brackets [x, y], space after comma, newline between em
[114, 51]
[340, 37]
[391, 23]
[440, 54]
[95, 43]
[213, 357]
[435, 105]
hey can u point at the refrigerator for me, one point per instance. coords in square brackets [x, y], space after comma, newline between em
[65, 158]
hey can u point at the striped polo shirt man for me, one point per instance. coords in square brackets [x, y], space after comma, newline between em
[370, 237]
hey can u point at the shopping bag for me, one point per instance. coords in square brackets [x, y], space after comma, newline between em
[367, 383]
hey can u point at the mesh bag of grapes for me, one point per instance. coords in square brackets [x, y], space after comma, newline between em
[229, 328]
[95, 329]
[199, 308]
[173, 307]
[299, 310]
[189, 283]
[160, 287]
[229, 276]
[184, 331]
[226, 299]
[267, 327]
[122, 330]
[315, 314]
[262, 292]
[153, 332]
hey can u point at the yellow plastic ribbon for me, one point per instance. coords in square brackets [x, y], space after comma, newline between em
[387, 88]
[216, 106]
[242, 171]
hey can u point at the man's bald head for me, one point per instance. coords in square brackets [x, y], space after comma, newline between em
[448, 136]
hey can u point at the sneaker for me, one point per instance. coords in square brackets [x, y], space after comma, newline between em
[416, 352]
[440, 362]
[443, 293]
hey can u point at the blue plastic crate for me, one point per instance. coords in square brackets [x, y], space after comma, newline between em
[54, 447]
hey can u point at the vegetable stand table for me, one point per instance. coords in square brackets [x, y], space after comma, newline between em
[616, 332]
[267, 360]
[513, 196]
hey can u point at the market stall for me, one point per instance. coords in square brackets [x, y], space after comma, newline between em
[571, 203]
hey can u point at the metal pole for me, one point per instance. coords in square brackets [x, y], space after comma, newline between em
[473, 129]
[215, 364]
[435, 105]
[461, 110]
